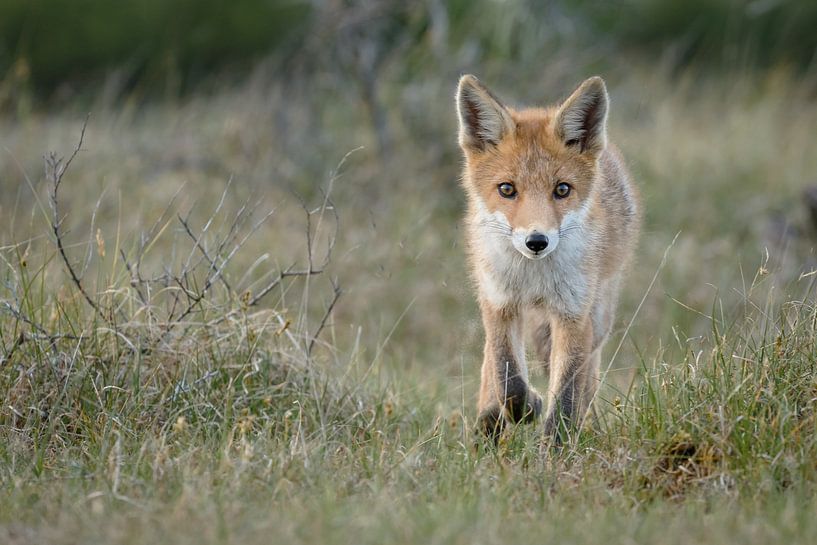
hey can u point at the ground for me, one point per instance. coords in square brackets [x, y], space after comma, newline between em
[250, 421]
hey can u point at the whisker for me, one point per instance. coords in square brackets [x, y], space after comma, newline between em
[494, 224]
[569, 229]
[496, 229]
[573, 226]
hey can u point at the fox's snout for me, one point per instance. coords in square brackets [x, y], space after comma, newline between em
[534, 243]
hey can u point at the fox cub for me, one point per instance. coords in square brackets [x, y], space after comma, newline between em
[552, 223]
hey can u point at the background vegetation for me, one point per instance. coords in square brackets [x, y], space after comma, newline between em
[241, 313]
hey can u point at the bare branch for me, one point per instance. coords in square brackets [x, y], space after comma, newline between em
[41, 332]
[136, 281]
[197, 243]
[23, 318]
[55, 170]
[336, 295]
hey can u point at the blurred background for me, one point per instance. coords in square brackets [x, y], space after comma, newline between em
[713, 104]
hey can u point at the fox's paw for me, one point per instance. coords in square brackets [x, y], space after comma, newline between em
[519, 408]
[490, 422]
[525, 408]
[558, 429]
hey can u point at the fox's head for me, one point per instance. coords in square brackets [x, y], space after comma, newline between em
[530, 172]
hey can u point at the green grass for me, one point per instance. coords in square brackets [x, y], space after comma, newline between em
[269, 449]
[228, 424]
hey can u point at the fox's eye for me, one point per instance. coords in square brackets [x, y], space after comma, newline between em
[507, 190]
[562, 190]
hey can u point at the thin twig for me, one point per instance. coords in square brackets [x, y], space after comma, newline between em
[202, 249]
[336, 295]
[136, 281]
[55, 170]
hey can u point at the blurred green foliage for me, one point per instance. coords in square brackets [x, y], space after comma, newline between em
[57, 40]
[748, 32]
[46, 42]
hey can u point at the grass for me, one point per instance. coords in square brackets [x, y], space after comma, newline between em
[277, 421]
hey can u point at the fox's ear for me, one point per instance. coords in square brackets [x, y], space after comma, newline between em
[484, 120]
[582, 118]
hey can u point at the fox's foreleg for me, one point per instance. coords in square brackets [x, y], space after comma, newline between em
[504, 392]
[573, 376]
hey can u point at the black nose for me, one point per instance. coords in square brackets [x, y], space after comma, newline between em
[536, 242]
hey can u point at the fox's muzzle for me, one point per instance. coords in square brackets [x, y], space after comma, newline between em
[536, 242]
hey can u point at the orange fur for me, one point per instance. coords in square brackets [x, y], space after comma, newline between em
[539, 256]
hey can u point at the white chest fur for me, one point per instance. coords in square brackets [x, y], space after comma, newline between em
[560, 281]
